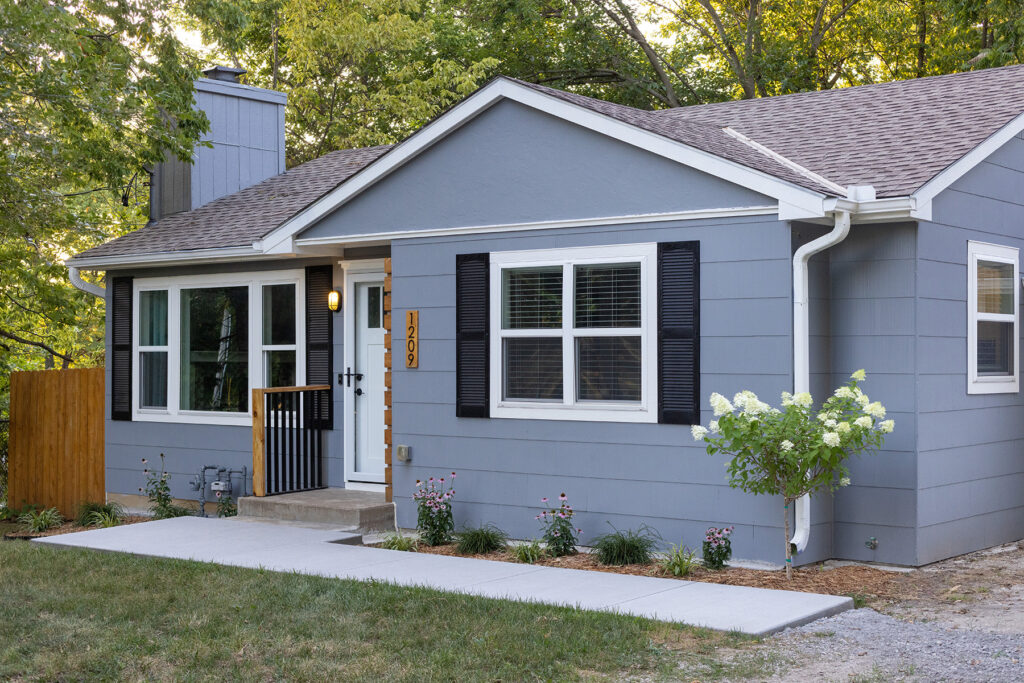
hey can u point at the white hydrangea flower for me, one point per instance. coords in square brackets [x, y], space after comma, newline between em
[845, 481]
[786, 445]
[843, 427]
[831, 423]
[698, 432]
[803, 399]
[863, 400]
[822, 417]
[787, 398]
[830, 439]
[876, 409]
[860, 375]
[720, 404]
[845, 392]
[713, 426]
[864, 421]
[886, 426]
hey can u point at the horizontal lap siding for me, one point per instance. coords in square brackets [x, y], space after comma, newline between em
[622, 473]
[873, 326]
[971, 460]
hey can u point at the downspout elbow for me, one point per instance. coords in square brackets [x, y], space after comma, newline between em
[79, 283]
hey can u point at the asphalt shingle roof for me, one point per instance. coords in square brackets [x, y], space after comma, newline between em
[895, 136]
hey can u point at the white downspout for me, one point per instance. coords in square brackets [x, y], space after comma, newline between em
[79, 283]
[801, 342]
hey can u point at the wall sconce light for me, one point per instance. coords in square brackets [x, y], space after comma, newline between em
[334, 301]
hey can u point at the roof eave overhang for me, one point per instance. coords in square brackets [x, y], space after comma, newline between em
[795, 202]
[169, 258]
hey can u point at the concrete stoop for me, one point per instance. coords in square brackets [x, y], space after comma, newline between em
[361, 511]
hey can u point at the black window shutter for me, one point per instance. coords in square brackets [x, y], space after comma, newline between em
[472, 338]
[679, 332]
[121, 348]
[319, 340]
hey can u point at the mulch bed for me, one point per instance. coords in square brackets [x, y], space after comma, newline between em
[861, 581]
[66, 528]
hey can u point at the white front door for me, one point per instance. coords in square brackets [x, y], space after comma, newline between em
[366, 391]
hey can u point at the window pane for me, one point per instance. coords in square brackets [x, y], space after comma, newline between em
[153, 318]
[278, 314]
[372, 308]
[153, 390]
[279, 368]
[995, 348]
[608, 295]
[995, 287]
[533, 368]
[215, 349]
[531, 298]
[608, 368]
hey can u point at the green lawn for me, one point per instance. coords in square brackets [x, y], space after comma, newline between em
[78, 614]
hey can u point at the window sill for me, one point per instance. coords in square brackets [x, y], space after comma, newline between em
[596, 413]
[233, 419]
[984, 385]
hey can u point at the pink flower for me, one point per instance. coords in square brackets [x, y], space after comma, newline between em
[544, 500]
[562, 497]
[218, 494]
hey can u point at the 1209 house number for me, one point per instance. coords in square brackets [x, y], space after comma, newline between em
[412, 339]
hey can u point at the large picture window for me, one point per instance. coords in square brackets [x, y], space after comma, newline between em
[993, 316]
[571, 333]
[204, 342]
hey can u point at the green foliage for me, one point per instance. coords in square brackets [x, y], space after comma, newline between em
[529, 552]
[103, 519]
[399, 541]
[717, 547]
[434, 518]
[481, 539]
[87, 510]
[679, 560]
[38, 521]
[626, 547]
[226, 506]
[559, 533]
[158, 490]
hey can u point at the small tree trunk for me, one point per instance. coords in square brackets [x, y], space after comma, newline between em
[789, 551]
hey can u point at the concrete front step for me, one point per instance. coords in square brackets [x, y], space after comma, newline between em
[340, 508]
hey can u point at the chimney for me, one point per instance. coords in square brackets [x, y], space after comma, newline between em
[247, 138]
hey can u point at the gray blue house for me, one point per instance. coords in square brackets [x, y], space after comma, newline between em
[539, 290]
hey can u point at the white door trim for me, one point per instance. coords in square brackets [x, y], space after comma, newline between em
[370, 270]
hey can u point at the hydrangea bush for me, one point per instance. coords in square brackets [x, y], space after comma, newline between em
[434, 519]
[559, 532]
[796, 450]
[717, 548]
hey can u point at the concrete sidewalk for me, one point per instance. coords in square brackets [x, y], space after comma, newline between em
[322, 552]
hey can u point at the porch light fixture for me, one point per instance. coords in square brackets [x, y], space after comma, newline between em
[333, 301]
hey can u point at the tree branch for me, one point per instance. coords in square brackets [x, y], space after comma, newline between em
[39, 345]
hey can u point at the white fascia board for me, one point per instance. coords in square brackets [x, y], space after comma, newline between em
[221, 255]
[927, 192]
[697, 214]
[801, 202]
[875, 210]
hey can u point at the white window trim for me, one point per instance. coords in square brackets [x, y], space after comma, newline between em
[987, 384]
[173, 285]
[644, 411]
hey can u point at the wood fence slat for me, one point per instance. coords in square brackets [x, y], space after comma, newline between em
[56, 439]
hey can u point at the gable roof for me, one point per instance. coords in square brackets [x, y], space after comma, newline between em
[894, 136]
[239, 219]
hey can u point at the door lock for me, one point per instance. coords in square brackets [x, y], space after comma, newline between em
[349, 375]
[358, 392]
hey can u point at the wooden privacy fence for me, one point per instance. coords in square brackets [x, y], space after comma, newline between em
[55, 452]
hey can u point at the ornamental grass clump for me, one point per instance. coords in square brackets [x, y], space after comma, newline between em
[679, 561]
[717, 548]
[482, 539]
[627, 547]
[434, 518]
[559, 533]
[795, 451]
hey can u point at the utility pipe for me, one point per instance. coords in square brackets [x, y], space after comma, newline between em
[801, 344]
[79, 283]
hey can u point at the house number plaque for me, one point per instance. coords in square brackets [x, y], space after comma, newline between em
[412, 339]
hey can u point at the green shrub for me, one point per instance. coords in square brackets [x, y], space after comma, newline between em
[399, 541]
[627, 547]
[158, 490]
[38, 521]
[679, 561]
[87, 509]
[528, 552]
[226, 506]
[103, 519]
[482, 539]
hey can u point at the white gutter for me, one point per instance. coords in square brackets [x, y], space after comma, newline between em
[81, 284]
[801, 330]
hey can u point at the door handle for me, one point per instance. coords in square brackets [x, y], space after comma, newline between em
[359, 392]
[349, 375]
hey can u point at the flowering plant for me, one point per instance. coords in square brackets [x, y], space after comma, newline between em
[158, 490]
[434, 518]
[717, 547]
[560, 534]
[797, 450]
